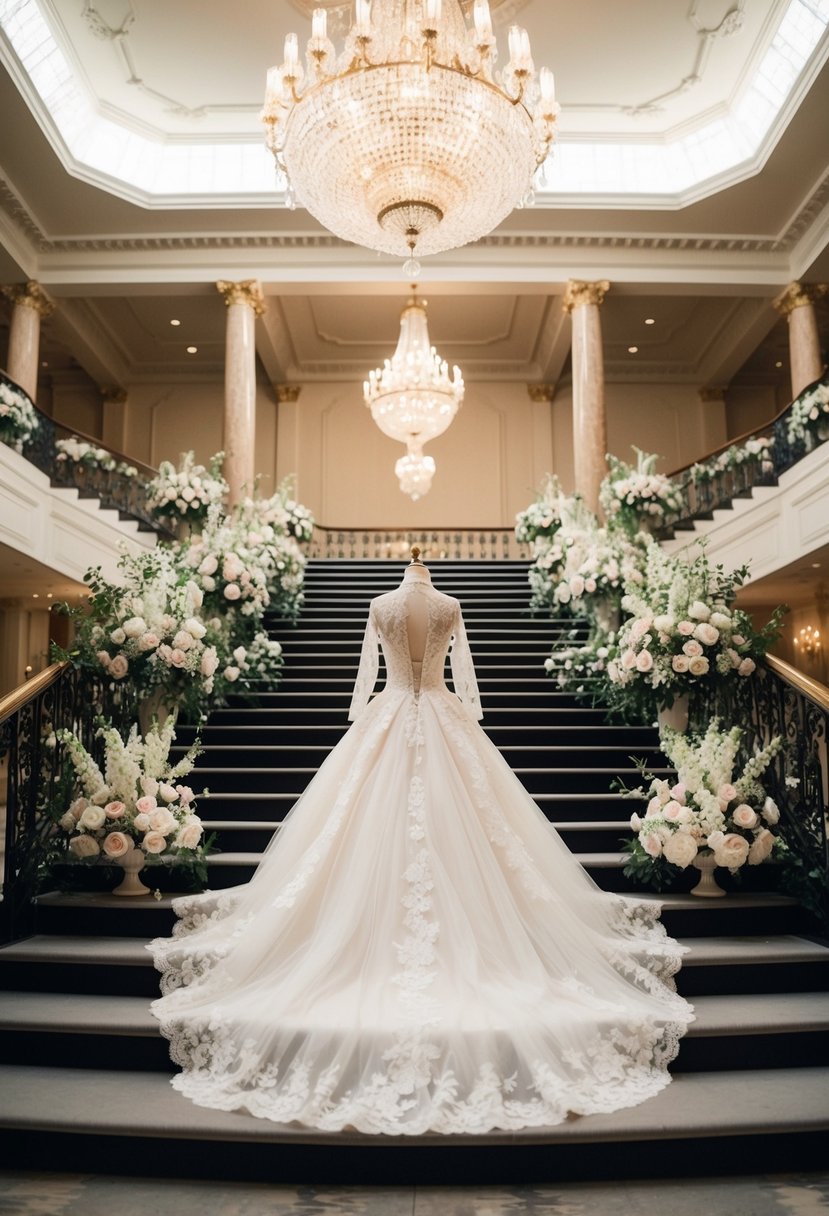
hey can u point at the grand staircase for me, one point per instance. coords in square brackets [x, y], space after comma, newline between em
[84, 1072]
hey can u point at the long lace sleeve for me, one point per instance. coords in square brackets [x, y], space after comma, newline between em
[368, 669]
[463, 671]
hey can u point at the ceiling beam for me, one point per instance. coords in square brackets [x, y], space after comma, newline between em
[273, 343]
[748, 325]
[75, 324]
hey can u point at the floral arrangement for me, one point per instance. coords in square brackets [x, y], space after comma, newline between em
[633, 497]
[260, 662]
[18, 417]
[542, 518]
[808, 418]
[682, 633]
[78, 451]
[188, 492]
[243, 563]
[282, 512]
[715, 806]
[758, 449]
[138, 801]
[151, 631]
[581, 666]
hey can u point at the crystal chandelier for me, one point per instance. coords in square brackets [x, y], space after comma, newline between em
[410, 141]
[413, 398]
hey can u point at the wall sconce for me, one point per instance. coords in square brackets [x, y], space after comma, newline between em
[807, 641]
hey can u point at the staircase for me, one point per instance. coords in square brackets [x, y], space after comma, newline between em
[83, 1070]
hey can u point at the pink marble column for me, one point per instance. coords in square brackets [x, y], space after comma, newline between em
[245, 303]
[30, 306]
[797, 303]
[582, 301]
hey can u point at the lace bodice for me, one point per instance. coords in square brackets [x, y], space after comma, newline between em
[390, 621]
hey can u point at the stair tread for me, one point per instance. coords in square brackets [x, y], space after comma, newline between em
[695, 1104]
[80, 1013]
[131, 951]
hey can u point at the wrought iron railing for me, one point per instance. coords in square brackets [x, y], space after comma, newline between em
[436, 544]
[733, 470]
[115, 487]
[61, 696]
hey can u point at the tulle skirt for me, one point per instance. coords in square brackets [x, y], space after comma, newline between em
[418, 951]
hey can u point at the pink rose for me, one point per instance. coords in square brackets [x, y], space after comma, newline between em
[189, 835]
[209, 661]
[119, 667]
[678, 792]
[103, 658]
[154, 842]
[692, 648]
[168, 792]
[117, 844]
[232, 591]
[141, 822]
[209, 565]
[746, 667]
[738, 639]
[672, 811]
[164, 651]
[77, 807]
[686, 628]
[644, 660]
[726, 793]
[177, 658]
[114, 810]
[148, 641]
[628, 660]
[231, 674]
[732, 851]
[146, 805]
[680, 663]
[744, 816]
[183, 640]
[698, 665]
[185, 794]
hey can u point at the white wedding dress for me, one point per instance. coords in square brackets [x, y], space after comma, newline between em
[417, 950]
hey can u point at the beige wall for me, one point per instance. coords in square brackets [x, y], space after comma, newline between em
[750, 407]
[815, 614]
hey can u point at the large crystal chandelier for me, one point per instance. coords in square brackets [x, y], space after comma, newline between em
[409, 140]
[413, 398]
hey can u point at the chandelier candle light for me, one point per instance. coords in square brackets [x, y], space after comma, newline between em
[412, 397]
[410, 141]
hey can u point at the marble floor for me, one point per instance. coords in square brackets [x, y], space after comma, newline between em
[35, 1194]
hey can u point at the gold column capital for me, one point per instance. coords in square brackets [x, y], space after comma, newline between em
[579, 292]
[247, 291]
[798, 295]
[287, 393]
[541, 392]
[29, 295]
[111, 394]
[711, 392]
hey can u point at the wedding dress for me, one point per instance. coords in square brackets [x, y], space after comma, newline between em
[418, 950]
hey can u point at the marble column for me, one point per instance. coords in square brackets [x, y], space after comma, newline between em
[245, 303]
[30, 305]
[797, 304]
[582, 301]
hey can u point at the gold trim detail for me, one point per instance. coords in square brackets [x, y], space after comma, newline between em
[798, 295]
[29, 295]
[247, 291]
[541, 392]
[287, 393]
[580, 292]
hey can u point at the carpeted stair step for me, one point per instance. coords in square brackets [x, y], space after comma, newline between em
[92, 1119]
[78, 1030]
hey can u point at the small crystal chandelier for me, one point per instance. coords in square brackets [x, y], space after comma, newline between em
[410, 141]
[412, 397]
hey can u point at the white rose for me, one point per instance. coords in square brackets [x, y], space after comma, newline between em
[746, 667]
[183, 640]
[686, 628]
[195, 628]
[761, 847]
[162, 820]
[720, 620]
[103, 658]
[628, 660]
[209, 565]
[240, 654]
[636, 821]
[168, 792]
[644, 660]
[67, 822]
[771, 811]
[154, 842]
[232, 591]
[118, 636]
[577, 585]
[738, 639]
[92, 818]
[698, 666]
[681, 849]
[590, 585]
[663, 623]
[231, 674]
[692, 648]
[135, 626]
[141, 821]
[699, 611]
[208, 583]
[744, 816]
[732, 851]
[209, 661]
[680, 663]
[707, 634]
[651, 844]
[148, 641]
[189, 834]
[84, 846]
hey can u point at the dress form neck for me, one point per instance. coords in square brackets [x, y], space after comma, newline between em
[417, 573]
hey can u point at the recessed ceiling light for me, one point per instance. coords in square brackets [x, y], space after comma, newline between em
[633, 350]
[779, 363]
[48, 595]
[45, 363]
[175, 321]
[650, 321]
[35, 595]
[192, 350]
[815, 565]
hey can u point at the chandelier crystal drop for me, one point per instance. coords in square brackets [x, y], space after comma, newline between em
[409, 140]
[415, 472]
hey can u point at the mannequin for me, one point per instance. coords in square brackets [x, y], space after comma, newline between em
[417, 621]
